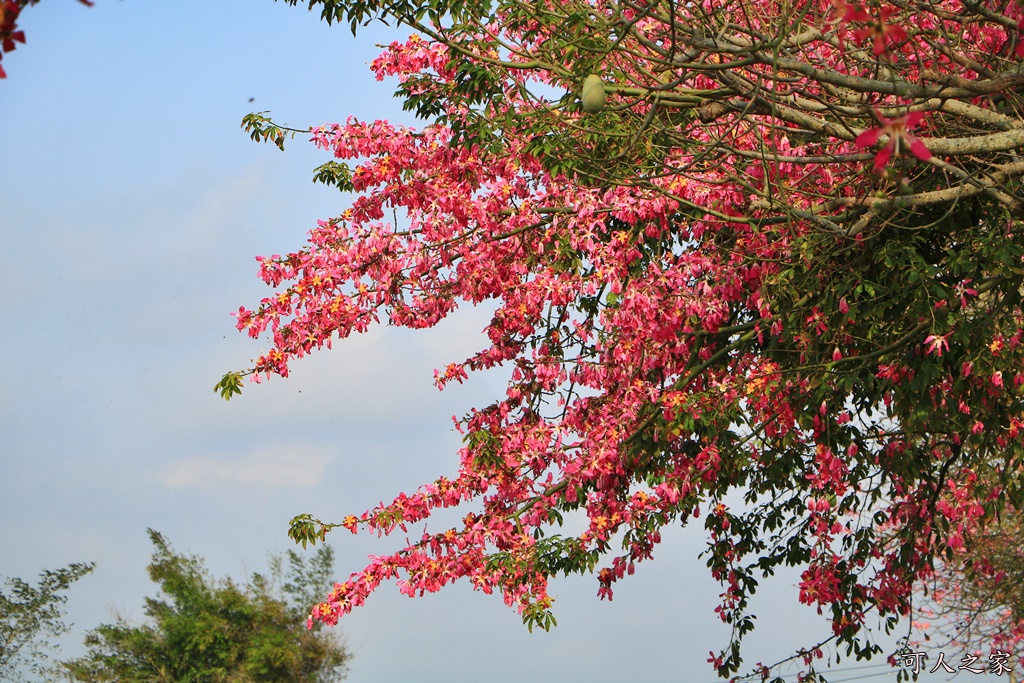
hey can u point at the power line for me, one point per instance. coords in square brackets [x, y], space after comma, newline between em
[889, 671]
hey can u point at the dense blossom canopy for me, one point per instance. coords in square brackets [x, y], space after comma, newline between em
[781, 257]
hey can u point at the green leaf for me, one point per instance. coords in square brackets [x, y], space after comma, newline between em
[334, 173]
[229, 385]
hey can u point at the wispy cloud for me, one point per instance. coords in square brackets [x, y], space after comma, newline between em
[284, 467]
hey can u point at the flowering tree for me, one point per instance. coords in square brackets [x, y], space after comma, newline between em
[976, 598]
[10, 34]
[768, 247]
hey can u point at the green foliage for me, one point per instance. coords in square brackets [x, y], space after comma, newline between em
[334, 173]
[30, 616]
[361, 13]
[261, 129]
[206, 631]
[306, 583]
[229, 385]
[306, 529]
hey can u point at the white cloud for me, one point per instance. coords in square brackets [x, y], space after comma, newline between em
[282, 467]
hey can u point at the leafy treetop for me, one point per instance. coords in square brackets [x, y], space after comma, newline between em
[30, 617]
[206, 631]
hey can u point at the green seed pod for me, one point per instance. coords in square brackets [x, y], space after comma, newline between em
[593, 94]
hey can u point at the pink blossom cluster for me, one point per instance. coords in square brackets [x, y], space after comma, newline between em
[657, 358]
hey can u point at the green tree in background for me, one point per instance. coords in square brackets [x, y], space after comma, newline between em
[30, 616]
[207, 631]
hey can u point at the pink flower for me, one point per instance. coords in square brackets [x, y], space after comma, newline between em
[896, 129]
[963, 291]
[816, 317]
[844, 14]
[879, 29]
[936, 344]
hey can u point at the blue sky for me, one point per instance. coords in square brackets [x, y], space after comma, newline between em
[132, 208]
